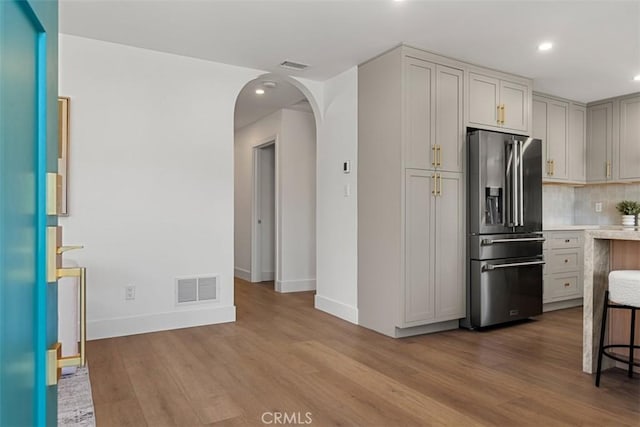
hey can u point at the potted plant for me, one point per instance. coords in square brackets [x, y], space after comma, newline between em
[629, 210]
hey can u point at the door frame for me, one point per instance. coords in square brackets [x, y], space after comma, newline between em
[256, 237]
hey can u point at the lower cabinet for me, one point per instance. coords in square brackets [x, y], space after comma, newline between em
[563, 284]
[434, 285]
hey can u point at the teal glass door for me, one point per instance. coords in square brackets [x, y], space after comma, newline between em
[27, 312]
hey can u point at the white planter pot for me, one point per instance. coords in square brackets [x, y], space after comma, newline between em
[628, 220]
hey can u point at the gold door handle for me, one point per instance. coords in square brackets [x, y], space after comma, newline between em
[55, 361]
[434, 177]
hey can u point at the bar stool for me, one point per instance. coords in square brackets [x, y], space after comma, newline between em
[623, 293]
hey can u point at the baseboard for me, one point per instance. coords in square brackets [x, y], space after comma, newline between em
[122, 326]
[560, 305]
[285, 286]
[243, 274]
[336, 308]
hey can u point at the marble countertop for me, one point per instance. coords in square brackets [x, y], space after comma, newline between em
[566, 227]
[593, 228]
[614, 233]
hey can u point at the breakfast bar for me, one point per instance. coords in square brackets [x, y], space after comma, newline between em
[605, 249]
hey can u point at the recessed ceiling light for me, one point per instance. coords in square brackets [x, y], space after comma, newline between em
[545, 46]
[636, 78]
[259, 91]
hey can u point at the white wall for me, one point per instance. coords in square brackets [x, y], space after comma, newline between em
[296, 165]
[151, 182]
[337, 290]
[296, 181]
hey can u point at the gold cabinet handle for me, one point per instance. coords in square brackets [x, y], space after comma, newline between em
[439, 184]
[608, 169]
[55, 361]
[439, 150]
[434, 177]
[553, 167]
[434, 159]
[499, 115]
[503, 113]
[566, 285]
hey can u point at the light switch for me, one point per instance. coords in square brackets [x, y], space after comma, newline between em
[599, 207]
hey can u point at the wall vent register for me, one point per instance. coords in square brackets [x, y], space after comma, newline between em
[197, 289]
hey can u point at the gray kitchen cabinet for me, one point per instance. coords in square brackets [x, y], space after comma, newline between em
[600, 142]
[562, 282]
[561, 125]
[628, 152]
[499, 102]
[434, 247]
[551, 125]
[577, 143]
[433, 141]
[411, 222]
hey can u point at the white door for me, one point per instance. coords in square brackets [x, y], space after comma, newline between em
[266, 211]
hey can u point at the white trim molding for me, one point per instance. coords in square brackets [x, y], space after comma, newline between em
[122, 326]
[285, 286]
[336, 308]
[241, 273]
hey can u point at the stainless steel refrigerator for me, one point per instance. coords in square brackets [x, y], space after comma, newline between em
[505, 238]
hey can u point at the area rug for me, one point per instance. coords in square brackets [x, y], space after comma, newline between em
[75, 404]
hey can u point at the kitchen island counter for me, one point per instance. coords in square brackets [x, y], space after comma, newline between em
[605, 248]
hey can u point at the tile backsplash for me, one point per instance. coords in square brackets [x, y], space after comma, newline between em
[558, 204]
[568, 205]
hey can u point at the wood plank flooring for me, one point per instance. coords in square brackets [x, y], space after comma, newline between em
[284, 356]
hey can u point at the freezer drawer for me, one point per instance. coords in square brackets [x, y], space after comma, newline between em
[496, 246]
[504, 290]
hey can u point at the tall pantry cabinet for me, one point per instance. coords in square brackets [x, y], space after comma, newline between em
[411, 215]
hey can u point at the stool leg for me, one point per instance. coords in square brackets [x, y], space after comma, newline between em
[631, 341]
[602, 328]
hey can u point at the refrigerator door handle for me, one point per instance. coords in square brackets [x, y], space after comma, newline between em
[514, 184]
[489, 267]
[521, 190]
[487, 242]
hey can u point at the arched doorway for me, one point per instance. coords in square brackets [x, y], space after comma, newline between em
[275, 135]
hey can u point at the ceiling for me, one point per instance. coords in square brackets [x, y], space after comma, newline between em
[596, 43]
[251, 107]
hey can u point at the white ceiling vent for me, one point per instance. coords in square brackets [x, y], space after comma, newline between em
[293, 65]
[197, 289]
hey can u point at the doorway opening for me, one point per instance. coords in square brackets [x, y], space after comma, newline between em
[275, 185]
[263, 245]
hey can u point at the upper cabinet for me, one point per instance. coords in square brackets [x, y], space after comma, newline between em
[499, 102]
[599, 142]
[433, 141]
[629, 139]
[577, 142]
[561, 125]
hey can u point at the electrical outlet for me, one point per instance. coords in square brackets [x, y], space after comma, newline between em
[130, 292]
[599, 207]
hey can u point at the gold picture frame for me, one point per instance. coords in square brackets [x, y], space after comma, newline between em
[63, 152]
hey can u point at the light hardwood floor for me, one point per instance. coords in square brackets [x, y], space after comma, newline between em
[284, 356]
